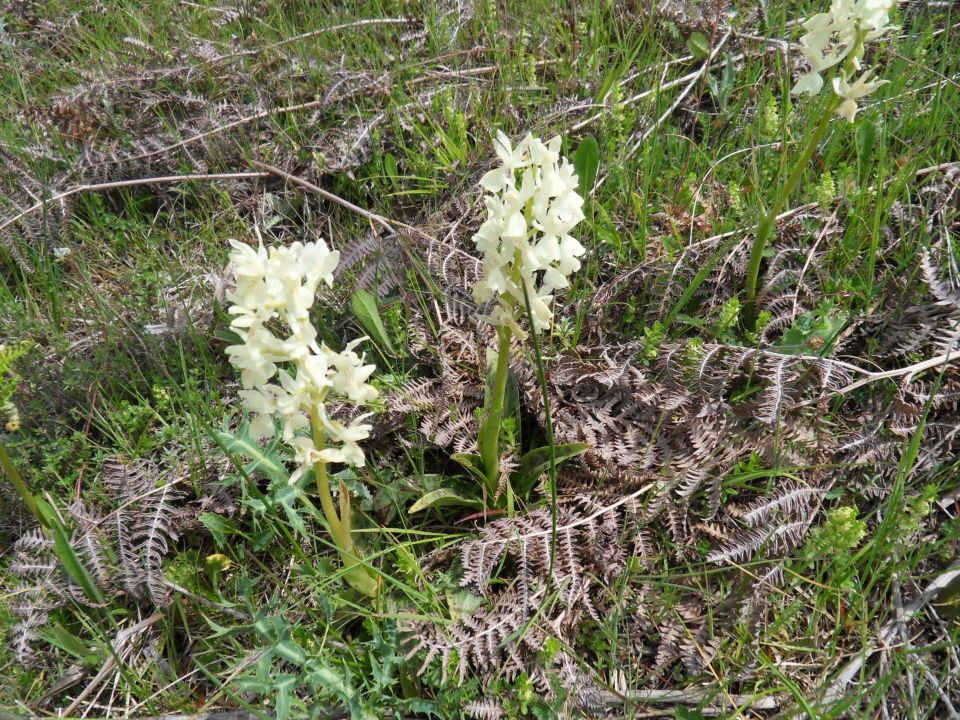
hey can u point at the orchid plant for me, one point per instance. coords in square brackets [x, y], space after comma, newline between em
[528, 254]
[288, 377]
[835, 41]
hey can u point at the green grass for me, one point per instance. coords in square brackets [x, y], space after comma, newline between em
[95, 383]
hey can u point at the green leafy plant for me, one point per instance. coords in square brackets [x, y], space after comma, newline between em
[534, 206]
[814, 332]
[9, 354]
[836, 37]
[280, 286]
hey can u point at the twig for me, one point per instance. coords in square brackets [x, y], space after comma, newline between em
[238, 614]
[160, 180]
[335, 28]
[371, 216]
[638, 97]
[123, 638]
[692, 76]
[827, 226]
[179, 681]
[936, 168]
[693, 696]
[697, 76]
[902, 631]
[905, 372]
[944, 698]
[469, 72]
[247, 119]
[86, 433]
[579, 521]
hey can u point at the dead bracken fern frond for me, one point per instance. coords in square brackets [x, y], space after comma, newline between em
[142, 526]
[485, 709]
[679, 435]
[128, 543]
[552, 585]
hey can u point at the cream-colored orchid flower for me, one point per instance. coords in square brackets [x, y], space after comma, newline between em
[525, 239]
[274, 293]
[839, 34]
[853, 92]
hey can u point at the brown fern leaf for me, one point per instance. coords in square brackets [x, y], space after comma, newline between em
[142, 525]
[485, 709]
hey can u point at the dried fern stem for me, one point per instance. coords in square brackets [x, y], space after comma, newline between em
[326, 194]
[162, 179]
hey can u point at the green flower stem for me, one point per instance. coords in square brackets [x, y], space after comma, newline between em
[503, 370]
[548, 422]
[766, 224]
[357, 575]
[490, 450]
[10, 470]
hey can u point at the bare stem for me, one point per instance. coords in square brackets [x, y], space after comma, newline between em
[766, 224]
[357, 575]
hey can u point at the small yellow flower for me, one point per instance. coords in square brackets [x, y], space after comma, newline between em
[13, 417]
[219, 562]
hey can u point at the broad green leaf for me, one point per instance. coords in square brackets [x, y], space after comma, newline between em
[461, 603]
[284, 687]
[444, 497]
[715, 89]
[365, 308]
[813, 332]
[62, 638]
[228, 336]
[586, 161]
[264, 460]
[391, 170]
[699, 46]
[321, 675]
[68, 556]
[219, 526]
[537, 461]
[473, 464]
[290, 498]
[386, 658]
[729, 76]
[290, 651]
